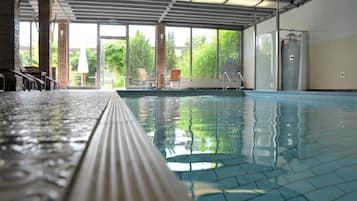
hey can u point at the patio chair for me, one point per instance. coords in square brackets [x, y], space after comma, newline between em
[143, 78]
[175, 76]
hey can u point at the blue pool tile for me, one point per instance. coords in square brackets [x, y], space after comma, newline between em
[299, 198]
[287, 192]
[325, 168]
[212, 197]
[348, 173]
[249, 168]
[275, 172]
[227, 183]
[325, 180]
[266, 185]
[239, 196]
[242, 193]
[300, 186]
[349, 186]
[299, 176]
[250, 178]
[204, 175]
[273, 195]
[235, 161]
[348, 197]
[328, 193]
[228, 171]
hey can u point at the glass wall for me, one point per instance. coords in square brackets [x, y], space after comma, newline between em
[29, 44]
[141, 70]
[82, 38]
[178, 50]
[229, 52]
[207, 62]
[204, 53]
[265, 72]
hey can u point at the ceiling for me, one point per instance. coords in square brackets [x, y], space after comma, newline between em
[229, 14]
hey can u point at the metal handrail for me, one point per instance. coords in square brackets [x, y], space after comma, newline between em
[225, 75]
[240, 77]
[3, 83]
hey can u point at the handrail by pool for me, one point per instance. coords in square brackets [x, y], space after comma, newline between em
[240, 77]
[3, 83]
[226, 76]
[120, 163]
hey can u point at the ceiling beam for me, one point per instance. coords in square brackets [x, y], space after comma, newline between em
[166, 11]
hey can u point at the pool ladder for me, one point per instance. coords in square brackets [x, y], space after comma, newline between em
[228, 85]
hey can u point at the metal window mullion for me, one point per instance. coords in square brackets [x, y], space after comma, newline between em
[98, 67]
[31, 57]
[127, 73]
[191, 53]
[217, 53]
[241, 43]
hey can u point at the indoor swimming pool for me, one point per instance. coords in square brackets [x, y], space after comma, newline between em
[261, 146]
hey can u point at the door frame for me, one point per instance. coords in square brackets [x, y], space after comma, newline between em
[99, 81]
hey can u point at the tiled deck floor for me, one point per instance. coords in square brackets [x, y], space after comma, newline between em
[42, 137]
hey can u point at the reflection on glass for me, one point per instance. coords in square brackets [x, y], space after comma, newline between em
[265, 73]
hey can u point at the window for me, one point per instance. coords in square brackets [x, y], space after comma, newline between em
[204, 53]
[178, 50]
[141, 54]
[82, 36]
[229, 52]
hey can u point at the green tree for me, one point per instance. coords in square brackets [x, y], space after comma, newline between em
[141, 54]
[115, 52]
[170, 51]
[204, 55]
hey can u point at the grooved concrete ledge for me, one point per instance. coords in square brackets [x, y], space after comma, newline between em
[120, 163]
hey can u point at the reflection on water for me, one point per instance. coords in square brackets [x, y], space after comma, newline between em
[237, 148]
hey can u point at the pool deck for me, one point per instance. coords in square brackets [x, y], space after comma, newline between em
[61, 146]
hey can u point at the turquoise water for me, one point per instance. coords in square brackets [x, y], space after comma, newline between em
[248, 148]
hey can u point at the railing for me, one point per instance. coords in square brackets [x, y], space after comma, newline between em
[3, 83]
[226, 76]
[241, 78]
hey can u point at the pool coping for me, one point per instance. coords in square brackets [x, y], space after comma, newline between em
[119, 163]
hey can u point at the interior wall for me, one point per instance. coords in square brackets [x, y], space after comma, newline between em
[332, 28]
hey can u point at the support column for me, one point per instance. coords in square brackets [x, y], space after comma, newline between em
[45, 10]
[10, 45]
[63, 48]
[160, 55]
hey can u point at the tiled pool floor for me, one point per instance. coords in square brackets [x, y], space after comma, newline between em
[248, 148]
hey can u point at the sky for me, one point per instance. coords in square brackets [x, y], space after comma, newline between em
[85, 35]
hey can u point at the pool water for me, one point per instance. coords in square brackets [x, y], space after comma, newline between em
[233, 148]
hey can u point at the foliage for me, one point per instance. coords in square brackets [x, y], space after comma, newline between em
[204, 55]
[25, 57]
[141, 54]
[115, 52]
[170, 51]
